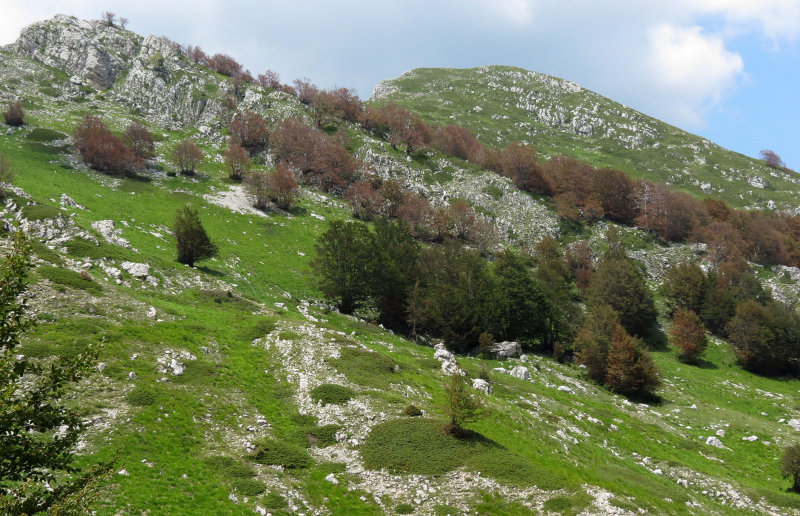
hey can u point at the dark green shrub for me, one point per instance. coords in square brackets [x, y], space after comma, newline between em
[412, 410]
[274, 500]
[248, 486]
[366, 367]
[331, 394]
[41, 134]
[141, 396]
[277, 453]
[404, 508]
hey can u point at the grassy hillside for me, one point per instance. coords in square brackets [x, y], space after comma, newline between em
[283, 406]
[504, 104]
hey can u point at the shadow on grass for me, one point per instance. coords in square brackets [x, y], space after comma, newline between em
[705, 364]
[210, 271]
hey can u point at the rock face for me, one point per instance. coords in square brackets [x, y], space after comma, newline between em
[92, 52]
[107, 230]
[506, 349]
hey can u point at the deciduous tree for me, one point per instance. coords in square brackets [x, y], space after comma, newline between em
[237, 158]
[139, 140]
[282, 186]
[186, 156]
[688, 335]
[630, 368]
[250, 129]
[345, 264]
[790, 465]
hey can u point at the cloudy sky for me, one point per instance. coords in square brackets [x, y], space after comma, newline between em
[725, 69]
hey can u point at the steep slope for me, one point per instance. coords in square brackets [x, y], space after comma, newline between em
[504, 104]
[199, 366]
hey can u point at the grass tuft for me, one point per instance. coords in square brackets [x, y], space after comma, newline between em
[332, 394]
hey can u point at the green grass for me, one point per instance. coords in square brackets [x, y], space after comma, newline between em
[40, 212]
[331, 394]
[141, 396]
[366, 367]
[420, 446]
[82, 248]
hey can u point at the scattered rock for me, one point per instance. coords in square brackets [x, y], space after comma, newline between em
[123, 472]
[714, 441]
[132, 375]
[137, 270]
[107, 230]
[482, 385]
[506, 349]
[68, 202]
[151, 312]
[332, 479]
[520, 372]
[564, 388]
[751, 438]
[720, 433]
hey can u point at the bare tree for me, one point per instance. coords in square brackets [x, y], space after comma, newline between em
[772, 159]
[109, 18]
[123, 22]
[186, 156]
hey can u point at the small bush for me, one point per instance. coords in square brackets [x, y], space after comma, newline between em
[82, 248]
[323, 435]
[14, 114]
[248, 486]
[141, 397]
[68, 278]
[412, 411]
[404, 508]
[331, 394]
[277, 453]
[275, 500]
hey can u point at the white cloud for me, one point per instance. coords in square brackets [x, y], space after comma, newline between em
[692, 69]
[776, 20]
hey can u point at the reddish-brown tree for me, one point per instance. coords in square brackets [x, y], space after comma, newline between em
[483, 233]
[307, 92]
[102, 150]
[237, 158]
[581, 262]
[224, 64]
[630, 369]
[282, 186]
[14, 114]
[347, 104]
[269, 79]
[688, 335]
[772, 159]
[250, 129]
[519, 164]
[256, 184]
[463, 217]
[186, 156]
[416, 212]
[139, 140]
[109, 18]
[197, 55]
[459, 142]
[614, 191]
[366, 200]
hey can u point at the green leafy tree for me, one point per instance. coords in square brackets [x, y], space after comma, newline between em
[192, 240]
[554, 278]
[618, 283]
[765, 337]
[463, 404]
[684, 287]
[345, 264]
[594, 340]
[396, 271]
[460, 295]
[38, 431]
[790, 465]
[523, 307]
